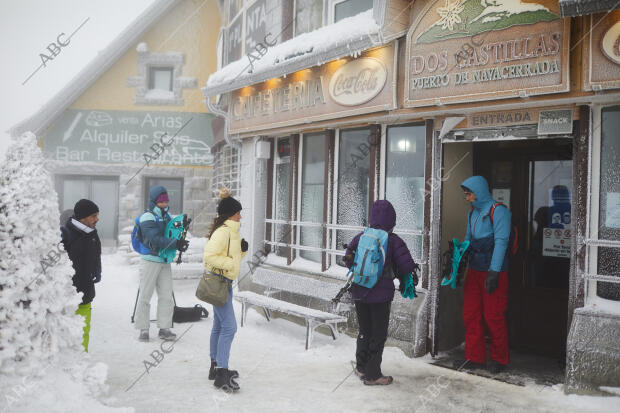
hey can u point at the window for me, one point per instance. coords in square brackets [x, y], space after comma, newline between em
[159, 81]
[404, 182]
[282, 192]
[608, 258]
[341, 9]
[102, 190]
[312, 193]
[235, 7]
[160, 78]
[353, 182]
[308, 16]
[225, 171]
[174, 187]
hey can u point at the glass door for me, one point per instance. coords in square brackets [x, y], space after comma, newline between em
[535, 180]
[102, 190]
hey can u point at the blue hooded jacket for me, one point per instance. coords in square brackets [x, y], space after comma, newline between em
[153, 228]
[489, 240]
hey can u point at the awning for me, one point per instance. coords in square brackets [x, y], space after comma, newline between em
[571, 8]
[348, 37]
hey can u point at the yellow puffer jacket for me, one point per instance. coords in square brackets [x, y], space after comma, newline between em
[215, 258]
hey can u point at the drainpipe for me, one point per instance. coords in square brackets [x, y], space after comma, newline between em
[214, 108]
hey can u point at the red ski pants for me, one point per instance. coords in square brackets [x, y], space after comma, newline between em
[479, 303]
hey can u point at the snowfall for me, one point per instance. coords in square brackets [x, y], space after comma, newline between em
[44, 369]
[277, 374]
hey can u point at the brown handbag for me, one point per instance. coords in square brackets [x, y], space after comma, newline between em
[213, 287]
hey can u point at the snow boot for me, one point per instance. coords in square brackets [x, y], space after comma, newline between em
[381, 381]
[495, 367]
[235, 373]
[464, 364]
[166, 334]
[224, 380]
[144, 335]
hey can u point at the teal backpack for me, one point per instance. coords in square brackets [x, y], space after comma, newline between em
[370, 257]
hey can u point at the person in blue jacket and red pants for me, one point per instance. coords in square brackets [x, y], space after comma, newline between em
[486, 284]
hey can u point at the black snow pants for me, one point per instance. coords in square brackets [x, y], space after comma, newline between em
[373, 320]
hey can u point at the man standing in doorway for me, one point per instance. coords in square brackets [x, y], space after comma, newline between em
[154, 271]
[83, 246]
[486, 285]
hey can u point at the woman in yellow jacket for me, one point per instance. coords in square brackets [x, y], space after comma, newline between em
[223, 253]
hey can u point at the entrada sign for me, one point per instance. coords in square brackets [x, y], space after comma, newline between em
[519, 49]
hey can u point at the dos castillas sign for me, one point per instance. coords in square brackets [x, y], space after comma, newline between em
[472, 50]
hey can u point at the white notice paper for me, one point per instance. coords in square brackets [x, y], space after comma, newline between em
[556, 242]
[612, 210]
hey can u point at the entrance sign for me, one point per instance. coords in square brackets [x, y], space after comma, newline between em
[556, 242]
[114, 136]
[555, 122]
[472, 50]
[343, 87]
[500, 118]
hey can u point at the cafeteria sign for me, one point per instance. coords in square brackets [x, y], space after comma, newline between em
[126, 136]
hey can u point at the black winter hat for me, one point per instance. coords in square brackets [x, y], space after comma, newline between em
[228, 206]
[84, 208]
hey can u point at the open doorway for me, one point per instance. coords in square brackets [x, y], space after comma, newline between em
[534, 178]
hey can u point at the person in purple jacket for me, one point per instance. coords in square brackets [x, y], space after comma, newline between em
[373, 305]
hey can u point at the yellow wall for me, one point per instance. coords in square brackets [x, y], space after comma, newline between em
[191, 27]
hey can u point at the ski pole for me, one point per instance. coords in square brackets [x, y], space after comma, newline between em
[186, 222]
[135, 305]
[345, 288]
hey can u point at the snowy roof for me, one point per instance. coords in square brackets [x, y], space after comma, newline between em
[349, 36]
[41, 119]
[581, 7]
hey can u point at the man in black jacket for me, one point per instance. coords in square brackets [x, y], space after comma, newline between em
[81, 242]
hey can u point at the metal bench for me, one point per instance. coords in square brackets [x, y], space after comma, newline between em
[274, 280]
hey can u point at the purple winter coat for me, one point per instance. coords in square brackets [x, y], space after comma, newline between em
[382, 216]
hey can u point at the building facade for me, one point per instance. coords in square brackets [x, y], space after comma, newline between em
[335, 104]
[135, 117]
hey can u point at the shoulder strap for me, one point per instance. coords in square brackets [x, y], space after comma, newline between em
[228, 252]
[492, 211]
[157, 218]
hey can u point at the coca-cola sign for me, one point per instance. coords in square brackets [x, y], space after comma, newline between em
[610, 43]
[358, 81]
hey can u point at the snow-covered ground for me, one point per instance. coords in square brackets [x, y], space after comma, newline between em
[277, 374]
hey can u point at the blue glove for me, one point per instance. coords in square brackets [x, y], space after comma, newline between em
[96, 278]
[409, 290]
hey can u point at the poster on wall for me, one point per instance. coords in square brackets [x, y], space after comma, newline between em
[502, 195]
[556, 242]
[472, 50]
[114, 136]
[612, 210]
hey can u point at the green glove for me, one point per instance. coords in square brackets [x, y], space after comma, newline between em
[409, 290]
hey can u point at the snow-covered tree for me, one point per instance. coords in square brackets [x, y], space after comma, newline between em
[37, 299]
